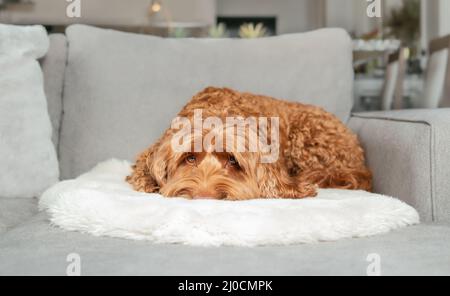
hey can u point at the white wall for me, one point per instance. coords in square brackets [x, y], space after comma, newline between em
[444, 17]
[436, 19]
[340, 14]
[292, 15]
[112, 12]
[352, 15]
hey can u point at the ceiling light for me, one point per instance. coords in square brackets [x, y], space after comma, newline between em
[155, 6]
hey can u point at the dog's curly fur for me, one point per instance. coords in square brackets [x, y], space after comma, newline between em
[316, 150]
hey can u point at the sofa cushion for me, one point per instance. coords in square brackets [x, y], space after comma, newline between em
[37, 248]
[28, 163]
[15, 211]
[122, 90]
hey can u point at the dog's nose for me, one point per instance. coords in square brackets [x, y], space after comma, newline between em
[204, 195]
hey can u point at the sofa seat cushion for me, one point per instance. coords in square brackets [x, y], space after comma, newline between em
[38, 248]
[15, 211]
[122, 90]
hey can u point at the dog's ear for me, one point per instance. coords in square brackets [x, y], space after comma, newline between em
[149, 172]
[274, 182]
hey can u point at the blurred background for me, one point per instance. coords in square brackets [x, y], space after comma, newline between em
[393, 54]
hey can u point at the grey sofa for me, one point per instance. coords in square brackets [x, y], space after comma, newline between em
[111, 94]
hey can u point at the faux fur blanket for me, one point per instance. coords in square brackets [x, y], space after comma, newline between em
[103, 204]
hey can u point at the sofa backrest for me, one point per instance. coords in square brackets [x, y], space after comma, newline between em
[53, 67]
[122, 90]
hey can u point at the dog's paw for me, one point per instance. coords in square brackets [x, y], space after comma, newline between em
[301, 190]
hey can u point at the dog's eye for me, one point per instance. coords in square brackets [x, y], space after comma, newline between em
[232, 161]
[191, 159]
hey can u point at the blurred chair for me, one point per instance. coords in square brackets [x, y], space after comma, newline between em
[392, 93]
[437, 77]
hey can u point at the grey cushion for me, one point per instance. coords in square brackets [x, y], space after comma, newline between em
[53, 66]
[37, 248]
[409, 152]
[14, 211]
[122, 90]
[28, 160]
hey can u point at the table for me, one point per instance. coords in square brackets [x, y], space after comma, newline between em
[367, 92]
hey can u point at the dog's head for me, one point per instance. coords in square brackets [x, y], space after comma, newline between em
[215, 163]
[204, 175]
[211, 171]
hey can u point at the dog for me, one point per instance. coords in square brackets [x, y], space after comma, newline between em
[313, 149]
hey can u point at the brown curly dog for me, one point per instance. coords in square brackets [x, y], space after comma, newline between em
[299, 148]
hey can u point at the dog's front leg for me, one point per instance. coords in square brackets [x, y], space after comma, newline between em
[275, 182]
[298, 191]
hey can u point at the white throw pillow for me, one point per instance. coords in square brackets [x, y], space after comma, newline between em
[28, 160]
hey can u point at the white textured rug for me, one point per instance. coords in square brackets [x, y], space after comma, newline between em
[103, 204]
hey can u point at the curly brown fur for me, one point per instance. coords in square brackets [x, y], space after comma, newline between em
[316, 150]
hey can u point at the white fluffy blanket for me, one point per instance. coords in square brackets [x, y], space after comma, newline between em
[103, 204]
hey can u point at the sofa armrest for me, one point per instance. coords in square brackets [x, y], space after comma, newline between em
[408, 152]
